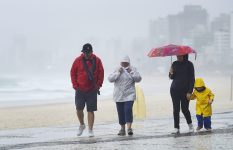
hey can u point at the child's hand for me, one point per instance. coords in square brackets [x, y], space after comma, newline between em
[210, 101]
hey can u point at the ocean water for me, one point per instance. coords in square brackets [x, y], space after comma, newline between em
[31, 90]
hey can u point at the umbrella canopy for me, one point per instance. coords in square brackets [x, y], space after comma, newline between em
[170, 50]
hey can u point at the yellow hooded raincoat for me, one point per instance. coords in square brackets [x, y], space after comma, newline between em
[202, 105]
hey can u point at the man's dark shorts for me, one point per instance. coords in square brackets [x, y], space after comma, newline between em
[88, 98]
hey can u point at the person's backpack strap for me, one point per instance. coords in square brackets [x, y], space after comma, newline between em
[93, 65]
[90, 73]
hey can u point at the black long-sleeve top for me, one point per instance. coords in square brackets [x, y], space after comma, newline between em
[183, 76]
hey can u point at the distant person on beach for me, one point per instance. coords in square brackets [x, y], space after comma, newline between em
[124, 78]
[182, 74]
[204, 101]
[87, 75]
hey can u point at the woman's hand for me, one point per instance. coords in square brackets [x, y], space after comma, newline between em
[129, 70]
[188, 96]
[171, 70]
[120, 69]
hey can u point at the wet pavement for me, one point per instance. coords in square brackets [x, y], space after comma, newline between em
[148, 134]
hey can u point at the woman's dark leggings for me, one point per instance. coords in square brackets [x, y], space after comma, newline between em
[179, 98]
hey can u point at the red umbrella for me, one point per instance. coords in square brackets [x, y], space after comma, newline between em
[170, 50]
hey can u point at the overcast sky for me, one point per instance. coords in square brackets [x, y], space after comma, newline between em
[91, 18]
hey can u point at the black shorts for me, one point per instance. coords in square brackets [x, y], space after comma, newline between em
[88, 98]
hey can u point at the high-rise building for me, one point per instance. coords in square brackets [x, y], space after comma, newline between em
[231, 29]
[222, 22]
[184, 25]
[18, 51]
[220, 28]
[222, 46]
[159, 32]
[175, 28]
[231, 35]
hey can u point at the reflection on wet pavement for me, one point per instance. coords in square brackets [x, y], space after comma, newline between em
[149, 134]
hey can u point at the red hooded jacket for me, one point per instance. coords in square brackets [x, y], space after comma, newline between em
[79, 76]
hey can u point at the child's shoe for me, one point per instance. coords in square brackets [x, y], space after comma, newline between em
[208, 129]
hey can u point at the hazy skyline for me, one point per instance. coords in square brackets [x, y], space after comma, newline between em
[47, 30]
[86, 19]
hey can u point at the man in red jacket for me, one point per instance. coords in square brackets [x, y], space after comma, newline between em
[87, 75]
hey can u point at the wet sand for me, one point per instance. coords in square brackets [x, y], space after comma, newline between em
[50, 115]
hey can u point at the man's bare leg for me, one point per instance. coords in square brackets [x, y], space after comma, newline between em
[91, 118]
[80, 116]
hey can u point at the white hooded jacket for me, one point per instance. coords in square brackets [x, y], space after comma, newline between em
[124, 83]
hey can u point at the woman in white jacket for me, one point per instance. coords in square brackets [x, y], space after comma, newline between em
[124, 79]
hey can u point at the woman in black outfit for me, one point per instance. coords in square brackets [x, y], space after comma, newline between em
[182, 74]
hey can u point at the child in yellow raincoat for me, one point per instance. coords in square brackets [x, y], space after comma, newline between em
[204, 98]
